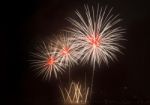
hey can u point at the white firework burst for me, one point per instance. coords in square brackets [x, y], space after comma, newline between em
[66, 49]
[46, 61]
[56, 56]
[97, 34]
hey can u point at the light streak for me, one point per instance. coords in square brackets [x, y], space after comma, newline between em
[75, 94]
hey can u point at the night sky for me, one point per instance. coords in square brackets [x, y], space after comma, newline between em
[25, 23]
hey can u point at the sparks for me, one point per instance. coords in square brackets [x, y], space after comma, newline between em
[75, 94]
[46, 61]
[66, 49]
[56, 56]
[97, 35]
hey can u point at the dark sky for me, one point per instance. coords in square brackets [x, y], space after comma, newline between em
[25, 22]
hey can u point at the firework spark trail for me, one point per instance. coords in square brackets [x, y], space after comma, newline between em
[97, 35]
[75, 94]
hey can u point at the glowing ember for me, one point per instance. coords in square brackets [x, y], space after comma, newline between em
[51, 61]
[94, 40]
[65, 51]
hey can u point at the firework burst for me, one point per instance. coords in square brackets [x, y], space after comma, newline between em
[66, 49]
[46, 61]
[56, 56]
[97, 35]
